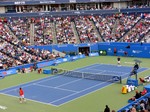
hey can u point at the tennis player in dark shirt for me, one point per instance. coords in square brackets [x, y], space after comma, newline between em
[136, 66]
[118, 60]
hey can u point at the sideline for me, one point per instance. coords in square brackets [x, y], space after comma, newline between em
[129, 62]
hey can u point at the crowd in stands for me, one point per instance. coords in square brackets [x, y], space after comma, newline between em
[111, 28]
[85, 30]
[105, 26]
[13, 52]
[20, 27]
[7, 61]
[140, 106]
[64, 31]
[126, 22]
[138, 32]
[43, 31]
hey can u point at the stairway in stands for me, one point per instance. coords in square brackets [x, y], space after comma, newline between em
[9, 30]
[54, 32]
[122, 38]
[146, 38]
[114, 30]
[96, 30]
[75, 32]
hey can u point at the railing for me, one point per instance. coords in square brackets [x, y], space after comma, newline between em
[129, 106]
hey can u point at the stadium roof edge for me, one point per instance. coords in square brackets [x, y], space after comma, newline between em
[32, 2]
[77, 13]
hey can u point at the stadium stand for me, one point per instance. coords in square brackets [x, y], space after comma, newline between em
[88, 23]
[113, 28]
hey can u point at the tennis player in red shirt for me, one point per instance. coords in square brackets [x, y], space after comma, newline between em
[21, 97]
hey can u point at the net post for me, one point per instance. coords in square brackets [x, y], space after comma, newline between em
[120, 80]
[82, 75]
[52, 71]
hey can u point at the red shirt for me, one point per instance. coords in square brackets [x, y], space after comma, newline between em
[21, 92]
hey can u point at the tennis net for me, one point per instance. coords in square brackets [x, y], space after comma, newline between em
[86, 75]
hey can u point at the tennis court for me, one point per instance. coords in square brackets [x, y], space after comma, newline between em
[58, 89]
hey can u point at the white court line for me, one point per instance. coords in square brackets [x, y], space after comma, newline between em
[87, 94]
[69, 82]
[91, 87]
[28, 99]
[108, 71]
[18, 88]
[77, 92]
[99, 64]
[121, 65]
[51, 77]
[69, 100]
[88, 67]
[96, 89]
[32, 83]
[129, 62]
[55, 88]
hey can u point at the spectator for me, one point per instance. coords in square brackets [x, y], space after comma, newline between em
[107, 109]
[137, 95]
[115, 51]
[118, 60]
[143, 92]
[125, 53]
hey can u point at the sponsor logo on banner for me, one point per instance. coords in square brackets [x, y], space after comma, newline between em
[77, 12]
[94, 0]
[61, 60]
[58, 61]
[72, 1]
[145, 48]
[41, 14]
[89, 44]
[19, 3]
[4, 73]
[109, 50]
[93, 54]
[65, 59]
[47, 1]
[62, 45]
[81, 56]
[136, 51]
[75, 45]
[120, 51]
[75, 57]
[9, 72]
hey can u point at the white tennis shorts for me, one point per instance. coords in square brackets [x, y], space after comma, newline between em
[22, 96]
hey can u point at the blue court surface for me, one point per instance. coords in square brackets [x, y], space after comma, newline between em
[57, 90]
